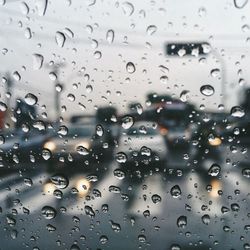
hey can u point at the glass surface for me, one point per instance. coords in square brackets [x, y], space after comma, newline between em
[124, 124]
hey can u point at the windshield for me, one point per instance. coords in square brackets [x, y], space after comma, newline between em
[125, 124]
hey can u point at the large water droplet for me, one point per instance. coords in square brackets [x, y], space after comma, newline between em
[89, 211]
[99, 130]
[127, 122]
[30, 99]
[16, 76]
[82, 150]
[184, 96]
[130, 67]
[110, 36]
[246, 172]
[41, 6]
[37, 61]
[119, 174]
[156, 198]
[151, 29]
[103, 239]
[60, 181]
[240, 3]
[237, 112]
[205, 219]
[63, 130]
[24, 8]
[207, 90]
[214, 170]
[60, 39]
[215, 73]
[175, 191]
[48, 212]
[127, 8]
[182, 221]
[121, 157]
[46, 154]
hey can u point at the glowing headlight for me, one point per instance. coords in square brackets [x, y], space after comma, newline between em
[50, 145]
[216, 186]
[216, 141]
[83, 186]
[84, 144]
[49, 188]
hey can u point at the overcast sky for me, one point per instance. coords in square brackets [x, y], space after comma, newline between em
[97, 65]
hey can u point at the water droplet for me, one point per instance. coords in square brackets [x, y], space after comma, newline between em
[246, 172]
[116, 227]
[205, 219]
[16, 76]
[119, 174]
[52, 76]
[142, 238]
[60, 39]
[89, 211]
[184, 96]
[60, 181]
[3, 106]
[214, 170]
[97, 54]
[121, 157]
[164, 79]
[127, 8]
[240, 3]
[207, 90]
[103, 239]
[130, 67]
[110, 36]
[28, 182]
[127, 122]
[182, 221]
[114, 189]
[75, 247]
[50, 228]
[82, 150]
[48, 212]
[27, 33]
[99, 130]
[89, 88]
[235, 207]
[105, 208]
[175, 191]
[41, 6]
[202, 12]
[237, 112]
[24, 8]
[2, 140]
[40, 125]
[175, 247]
[46, 154]
[63, 130]
[151, 29]
[215, 73]
[30, 99]
[156, 198]
[37, 61]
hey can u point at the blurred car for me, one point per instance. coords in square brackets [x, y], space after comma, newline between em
[81, 144]
[207, 141]
[142, 144]
[22, 146]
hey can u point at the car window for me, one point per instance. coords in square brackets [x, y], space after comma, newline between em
[124, 124]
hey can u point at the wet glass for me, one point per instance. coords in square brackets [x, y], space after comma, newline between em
[124, 124]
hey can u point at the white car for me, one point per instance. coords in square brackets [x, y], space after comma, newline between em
[142, 143]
